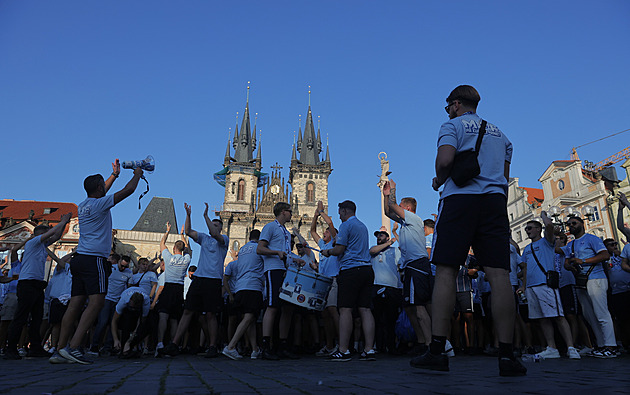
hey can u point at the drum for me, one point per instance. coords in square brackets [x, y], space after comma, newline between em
[305, 288]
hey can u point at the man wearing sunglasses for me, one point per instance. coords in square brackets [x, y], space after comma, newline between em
[586, 252]
[473, 213]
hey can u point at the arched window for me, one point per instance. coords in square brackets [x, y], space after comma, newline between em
[310, 192]
[241, 190]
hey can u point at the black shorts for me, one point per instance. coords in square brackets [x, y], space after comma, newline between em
[479, 221]
[248, 301]
[569, 300]
[355, 287]
[477, 311]
[171, 300]
[57, 310]
[417, 284]
[204, 295]
[620, 306]
[273, 284]
[90, 274]
[464, 302]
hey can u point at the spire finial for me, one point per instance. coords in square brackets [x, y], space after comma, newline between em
[300, 121]
[248, 82]
[309, 95]
[318, 121]
[294, 137]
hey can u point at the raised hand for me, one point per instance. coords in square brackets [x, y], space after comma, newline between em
[205, 212]
[386, 188]
[187, 208]
[116, 167]
[168, 227]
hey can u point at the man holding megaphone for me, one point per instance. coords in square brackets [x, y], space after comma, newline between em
[89, 266]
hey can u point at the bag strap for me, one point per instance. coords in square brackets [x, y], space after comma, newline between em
[482, 131]
[139, 281]
[573, 252]
[531, 246]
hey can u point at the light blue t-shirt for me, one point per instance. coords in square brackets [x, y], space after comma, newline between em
[328, 266]
[60, 283]
[95, 222]
[586, 247]
[619, 279]
[117, 283]
[212, 256]
[279, 239]
[175, 267]
[34, 260]
[145, 280]
[353, 234]
[463, 282]
[385, 266]
[11, 287]
[545, 252]
[126, 296]
[412, 241]
[495, 150]
[566, 277]
[247, 273]
[515, 259]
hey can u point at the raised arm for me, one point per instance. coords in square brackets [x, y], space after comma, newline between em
[53, 234]
[623, 201]
[328, 220]
[163, 241]
[187, 229]
[213, 227]
[392, 209]
[115, 174]
[314, 234]
[61, 262]
[549, 234]
[130, 187]
[16, 248]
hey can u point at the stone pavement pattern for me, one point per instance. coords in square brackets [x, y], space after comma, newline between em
[187, 374]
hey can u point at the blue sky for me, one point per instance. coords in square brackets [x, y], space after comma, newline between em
[84, 82]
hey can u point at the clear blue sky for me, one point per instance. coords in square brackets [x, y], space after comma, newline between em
[84, 82]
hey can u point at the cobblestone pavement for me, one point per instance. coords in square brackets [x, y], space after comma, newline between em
[188, 374]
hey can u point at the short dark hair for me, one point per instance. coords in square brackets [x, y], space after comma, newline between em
[115, 257]
[180, 245]
[466, 94]
[279, 207]
[218, 220]
[40, 229]
[576, 217]
[348, 205]
[429, 223]
[192, 269]
[534, 222]
[563, 236]
[142, 261]
[410, 201]
[126, 258]
[136, 300]
[254, 234]
[92, 182]
[606, 241]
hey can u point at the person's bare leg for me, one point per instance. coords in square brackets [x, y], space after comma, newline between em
[412, 314]
[424, 319]
[213, 328]
[443, 299]
[345, 328]
[367, 321]
[547, 328]
[268, 321]
[94, 306]
[565, 330]
[70, 316]
[241, 329]
[502, 303]
[285, 320]
[183, 326]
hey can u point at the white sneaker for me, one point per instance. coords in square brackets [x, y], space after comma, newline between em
[56, 358]
[52, 350]
[324, 352]
[256, 353]
[549, 353]
[586, 351]
[232, 354]
[448, 349]
[573, 353]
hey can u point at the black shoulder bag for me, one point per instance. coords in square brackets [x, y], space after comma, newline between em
[466, 165]
[138, 283]
[552, 276]
[581, 278]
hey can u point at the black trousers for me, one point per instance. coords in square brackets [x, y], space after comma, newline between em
[387, 306]
[30, 294]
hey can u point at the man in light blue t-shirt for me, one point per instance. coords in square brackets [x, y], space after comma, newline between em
[30, 289]
[588, 253]
[418, 279]
[89, 267]
[355, 279]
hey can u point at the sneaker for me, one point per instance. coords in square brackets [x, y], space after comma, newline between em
[146, 351]
[212, 352]
[448, 349]
[430, 361]
[324, 352]
[573, 353]
[74, 355]
[368, 356]
[171, 350]
[12, 355]
[340, 356]
[159, 352]
[22, 352]
[52, 350]
[256, 354]
[93, 351]
[270, 356]
[232, 354]
[586, 352]
[549, 353]
[603, 353]
[510, 367]
[286, 354]
[57, 358]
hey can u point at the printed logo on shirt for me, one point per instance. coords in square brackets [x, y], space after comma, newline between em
[472, 127]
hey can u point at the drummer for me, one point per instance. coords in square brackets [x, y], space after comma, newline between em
[304, 251]
[274, 245]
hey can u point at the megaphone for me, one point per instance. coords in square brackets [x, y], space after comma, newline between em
[147, 164]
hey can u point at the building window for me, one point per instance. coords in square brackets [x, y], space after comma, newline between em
[561, 185]
[595, 213]
[146, 221]
[310, 192]
[241, 190]
[75, 228]
[236, 245]
[519, 237]
[511, 216]
[160, 211]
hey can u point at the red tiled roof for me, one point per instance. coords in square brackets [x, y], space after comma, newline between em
[534, 195]
[20, 209]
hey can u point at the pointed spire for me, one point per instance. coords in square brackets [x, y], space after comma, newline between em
[308, 148]
[254, 133]
[309, 96]
[227, 152]
[244, 151]
[293, 156]
[319, 137]
[259, 155]
[247, 102]
[299, 141]
[327, 151]
[235, 139]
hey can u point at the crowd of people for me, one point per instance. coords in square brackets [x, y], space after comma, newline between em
[433, 289]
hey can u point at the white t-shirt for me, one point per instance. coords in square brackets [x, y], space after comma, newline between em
[33, 260]
[95, 222]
